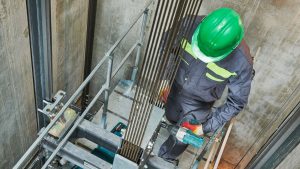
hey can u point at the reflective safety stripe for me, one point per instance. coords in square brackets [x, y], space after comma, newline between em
[212, 66]
[213, 78]
[187, 47]
[220, 71]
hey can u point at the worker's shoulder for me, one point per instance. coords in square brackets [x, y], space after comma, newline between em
[239, 60]
[243, 52]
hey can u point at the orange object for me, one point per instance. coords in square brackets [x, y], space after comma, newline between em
[164, 94]
[195, 128]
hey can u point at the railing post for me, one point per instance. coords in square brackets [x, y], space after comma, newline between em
[103, 122]
[140, 43]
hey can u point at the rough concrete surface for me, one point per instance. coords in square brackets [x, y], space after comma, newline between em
[17, 110]
[113, 18]
[69, 19]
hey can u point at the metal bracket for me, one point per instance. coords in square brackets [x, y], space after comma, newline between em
[48, 109]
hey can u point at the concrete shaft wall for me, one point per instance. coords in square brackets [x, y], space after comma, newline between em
[113, 18]
[68, 20]
[17, 106]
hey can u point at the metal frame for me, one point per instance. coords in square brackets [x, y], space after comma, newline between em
[96, 134]
[76, 155]
[79, 90]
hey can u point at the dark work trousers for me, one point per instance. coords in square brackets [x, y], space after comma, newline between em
[178, 109]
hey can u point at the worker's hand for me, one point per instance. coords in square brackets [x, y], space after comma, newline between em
[195, 128]
[164, 91]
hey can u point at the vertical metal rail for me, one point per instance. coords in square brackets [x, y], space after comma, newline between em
[150, 67]
[39, 23]
[106, 92]
[125, 145]
[172, 72]
[126, 150]
[154, 68]
[91, 19]
[166, 57]
[77, 122]
[190, 18]
[155, 75]
[140, 44]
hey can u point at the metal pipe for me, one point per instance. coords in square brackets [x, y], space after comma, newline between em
[140, 44]
[134, 104]
[59, 114]
[103, 122]
[223, 145]
[166, 22]
[148, 76]
[162, 65]
[92, 10]
[77, 122]
[191, 21]
[148, 70]
[164, 84]
[134, 109]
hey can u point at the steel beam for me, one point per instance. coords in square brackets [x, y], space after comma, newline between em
[39, 24]
[98, 135]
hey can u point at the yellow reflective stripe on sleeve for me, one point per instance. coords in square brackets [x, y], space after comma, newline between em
[212, 66]
[220, 71]
[187, 47]
[213, 78]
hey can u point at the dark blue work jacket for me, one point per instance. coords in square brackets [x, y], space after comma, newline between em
[204, 83]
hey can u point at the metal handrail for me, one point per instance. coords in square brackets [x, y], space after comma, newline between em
[30, 150]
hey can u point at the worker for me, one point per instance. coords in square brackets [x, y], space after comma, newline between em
[214, 56]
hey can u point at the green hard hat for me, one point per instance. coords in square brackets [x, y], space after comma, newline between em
[219, 33]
